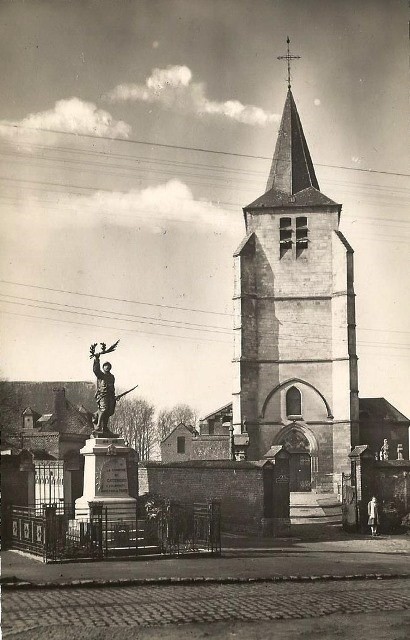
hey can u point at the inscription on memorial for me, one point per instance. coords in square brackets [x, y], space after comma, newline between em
[112, 477]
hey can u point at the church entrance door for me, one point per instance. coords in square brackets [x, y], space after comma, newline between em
[297, 445]
[299, 472]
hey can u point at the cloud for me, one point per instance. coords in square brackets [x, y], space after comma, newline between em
[155, 209]
[173, 89]
[72, 116]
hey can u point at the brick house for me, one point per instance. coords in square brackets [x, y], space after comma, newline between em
[177, 445]
[45, 446]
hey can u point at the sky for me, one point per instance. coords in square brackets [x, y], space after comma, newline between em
[132, 133]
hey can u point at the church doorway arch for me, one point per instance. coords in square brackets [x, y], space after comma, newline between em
[303, 455]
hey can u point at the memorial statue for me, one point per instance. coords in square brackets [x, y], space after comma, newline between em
[105, 394]
[384, 451]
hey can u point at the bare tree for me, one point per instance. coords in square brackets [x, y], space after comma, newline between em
[168, 419]
[10, 410]
[134, 421]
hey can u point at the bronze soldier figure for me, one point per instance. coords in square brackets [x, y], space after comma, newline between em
[105, 395]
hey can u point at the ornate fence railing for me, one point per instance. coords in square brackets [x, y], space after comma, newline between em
[53, 532]
[190, 527]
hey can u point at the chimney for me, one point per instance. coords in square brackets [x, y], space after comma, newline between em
[59, 401]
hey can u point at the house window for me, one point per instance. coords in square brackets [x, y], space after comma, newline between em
[181, 444]
[285, 235]
[301, 235]
[293, 402]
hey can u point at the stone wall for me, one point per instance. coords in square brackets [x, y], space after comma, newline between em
[240, 486]
[215, 447]
[33, 440]
[388, 480]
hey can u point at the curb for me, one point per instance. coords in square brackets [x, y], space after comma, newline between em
[141, 582]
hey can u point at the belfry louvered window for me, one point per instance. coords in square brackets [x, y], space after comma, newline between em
[286, 231]
[302, 232]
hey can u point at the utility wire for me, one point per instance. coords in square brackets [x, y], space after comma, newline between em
[184, 148]
[298, 338]
[129, 316]
[91, 295]
[208, 326]
[85, 324]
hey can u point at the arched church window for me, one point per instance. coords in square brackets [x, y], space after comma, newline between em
[285, 235]
[293, 402]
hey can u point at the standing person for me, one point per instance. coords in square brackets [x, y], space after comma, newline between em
[373, 513]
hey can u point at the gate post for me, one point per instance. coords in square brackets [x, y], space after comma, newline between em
[214, 512]
[50, 531]
[96, 529]
[363, 478]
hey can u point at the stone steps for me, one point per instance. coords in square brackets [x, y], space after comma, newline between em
[315, 508]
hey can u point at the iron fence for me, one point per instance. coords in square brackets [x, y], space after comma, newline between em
[190, 527]
[53, 532]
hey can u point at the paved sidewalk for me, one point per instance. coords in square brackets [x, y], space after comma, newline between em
[269, 560]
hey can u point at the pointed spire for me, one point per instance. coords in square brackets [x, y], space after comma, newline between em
[292, 168]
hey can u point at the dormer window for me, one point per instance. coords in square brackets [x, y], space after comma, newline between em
[28, 422]
[302, 232]
[285, 232]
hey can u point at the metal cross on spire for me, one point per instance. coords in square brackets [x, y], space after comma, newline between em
[288, 58]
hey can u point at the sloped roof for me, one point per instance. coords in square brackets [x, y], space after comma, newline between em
[292, 180]
[70, 420]
[28, 411]
[246, 242]
[22, 394]
[224, 409]
[343, 240]
[292, 167]
[381, 409]
[308, 197]
[44, 418]
[189, 428]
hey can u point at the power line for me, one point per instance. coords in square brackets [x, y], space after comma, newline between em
[98, 189]
[128, 301]
[201, 325]
[87, 324]
[169, 163]
[91, 295]
[192, 326]
[322, 341]
[196, 149]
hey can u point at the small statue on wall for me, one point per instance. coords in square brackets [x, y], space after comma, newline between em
[384, 451]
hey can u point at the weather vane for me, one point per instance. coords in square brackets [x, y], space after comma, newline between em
[288, 58]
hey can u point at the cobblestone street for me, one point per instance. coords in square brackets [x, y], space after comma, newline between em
[39, 613]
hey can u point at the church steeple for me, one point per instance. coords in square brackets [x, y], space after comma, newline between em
[292, 167]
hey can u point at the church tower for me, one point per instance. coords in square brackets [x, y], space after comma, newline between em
[295, 334]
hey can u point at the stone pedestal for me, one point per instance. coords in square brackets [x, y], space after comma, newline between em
[106, 479]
